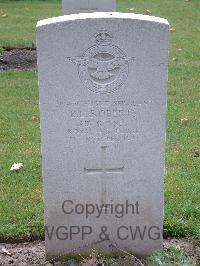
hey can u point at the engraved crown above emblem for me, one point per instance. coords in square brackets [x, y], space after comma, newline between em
[103, 68]
[103, 38]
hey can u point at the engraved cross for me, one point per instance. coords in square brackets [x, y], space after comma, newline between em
[88, 8]
[103, 170]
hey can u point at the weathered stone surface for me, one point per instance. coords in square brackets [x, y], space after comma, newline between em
[103, 84]
[88, 6]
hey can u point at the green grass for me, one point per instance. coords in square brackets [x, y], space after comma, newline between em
[18, 20]
[182, 190]
[21, 205]
[21, 197]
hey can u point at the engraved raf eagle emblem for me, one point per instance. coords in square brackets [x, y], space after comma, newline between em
[103, 68]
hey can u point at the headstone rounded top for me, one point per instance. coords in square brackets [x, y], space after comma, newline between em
[97, 15]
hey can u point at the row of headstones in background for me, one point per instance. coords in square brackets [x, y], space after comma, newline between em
[88, 6]
[103, 83]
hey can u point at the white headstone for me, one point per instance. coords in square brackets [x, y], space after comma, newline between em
[88, 6]
[103, 86]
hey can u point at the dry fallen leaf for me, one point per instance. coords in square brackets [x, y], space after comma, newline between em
[4, 251]
[4, 15]
[172, 29]
[180, 49]
[16, 167]
[131, 9]
[35, 117]
[184, 120]
[148, 12]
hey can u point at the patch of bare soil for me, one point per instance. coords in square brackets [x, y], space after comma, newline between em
[18, 59]
[189, 246]
[33, 253]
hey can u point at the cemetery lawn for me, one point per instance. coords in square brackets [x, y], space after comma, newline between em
[18, 20]
[21, 207]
